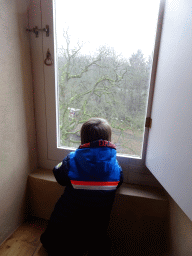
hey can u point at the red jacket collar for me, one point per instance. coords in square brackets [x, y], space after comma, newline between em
[98, 143]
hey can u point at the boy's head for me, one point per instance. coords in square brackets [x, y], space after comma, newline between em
[95, 129]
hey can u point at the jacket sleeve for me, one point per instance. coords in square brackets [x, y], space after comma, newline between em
[61, 171]
[121, 178]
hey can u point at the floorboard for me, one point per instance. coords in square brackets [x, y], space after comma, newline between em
[40, 251]
[25, 241]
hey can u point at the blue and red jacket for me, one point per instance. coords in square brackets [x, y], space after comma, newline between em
[91, 175]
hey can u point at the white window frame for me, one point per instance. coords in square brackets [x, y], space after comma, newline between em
[45, 105]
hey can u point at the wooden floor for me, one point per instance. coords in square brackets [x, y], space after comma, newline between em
[25, 241]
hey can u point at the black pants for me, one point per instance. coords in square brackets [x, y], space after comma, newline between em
[75, 238]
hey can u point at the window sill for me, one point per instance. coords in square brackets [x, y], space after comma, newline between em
[44, 191]
[130, 190]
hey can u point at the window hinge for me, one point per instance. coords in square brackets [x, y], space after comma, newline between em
[36, 30]
[148, 122]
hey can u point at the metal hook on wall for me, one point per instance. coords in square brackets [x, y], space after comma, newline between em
[48, 61]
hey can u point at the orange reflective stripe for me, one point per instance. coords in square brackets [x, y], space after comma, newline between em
[95, 183]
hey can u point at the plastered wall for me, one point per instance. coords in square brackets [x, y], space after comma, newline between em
[17, 126]
[180, 231]
[17, 129]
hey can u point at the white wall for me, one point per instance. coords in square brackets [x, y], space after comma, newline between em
[169, 151]
[17, 126]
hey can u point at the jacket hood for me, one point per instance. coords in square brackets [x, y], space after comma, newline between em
[94, 161]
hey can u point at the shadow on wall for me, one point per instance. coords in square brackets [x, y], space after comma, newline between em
[138, 226]
[27, 82]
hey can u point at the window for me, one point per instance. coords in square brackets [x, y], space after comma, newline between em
[103, 65]
[114, 74]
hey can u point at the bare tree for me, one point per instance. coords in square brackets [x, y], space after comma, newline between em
[102, 85]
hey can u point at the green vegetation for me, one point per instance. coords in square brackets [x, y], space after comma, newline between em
[104, 85]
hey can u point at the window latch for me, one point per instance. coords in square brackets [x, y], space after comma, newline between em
[148, 122]
[36, 30]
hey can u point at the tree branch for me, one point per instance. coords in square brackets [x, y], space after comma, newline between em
[84, 70]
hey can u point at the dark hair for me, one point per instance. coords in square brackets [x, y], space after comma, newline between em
[95, 129]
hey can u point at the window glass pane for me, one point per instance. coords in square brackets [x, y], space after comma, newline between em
[104, 53]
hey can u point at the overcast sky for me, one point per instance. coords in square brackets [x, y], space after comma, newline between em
[125, 25]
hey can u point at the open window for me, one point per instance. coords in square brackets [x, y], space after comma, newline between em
[103, 63]
[105, 58]
[169, 146]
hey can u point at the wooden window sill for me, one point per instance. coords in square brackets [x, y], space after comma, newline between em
[130, 190]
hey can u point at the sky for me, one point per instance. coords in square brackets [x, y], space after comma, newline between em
[125, 25]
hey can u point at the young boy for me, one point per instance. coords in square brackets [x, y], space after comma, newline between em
[91, 175]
